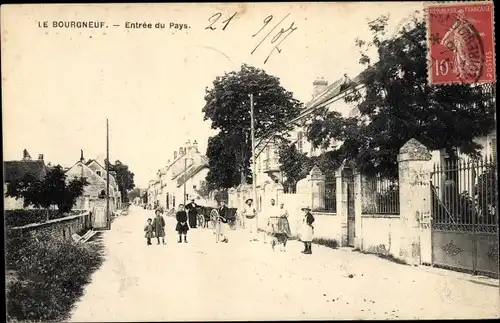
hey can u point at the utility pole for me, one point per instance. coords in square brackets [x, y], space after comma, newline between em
[254, 177]
[108, 217]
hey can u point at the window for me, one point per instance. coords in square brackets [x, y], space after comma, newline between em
[98, 172]
[300, 135]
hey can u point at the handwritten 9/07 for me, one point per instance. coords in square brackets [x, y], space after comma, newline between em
[276, 40]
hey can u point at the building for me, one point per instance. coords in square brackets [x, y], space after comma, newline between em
[15, 170]
[180, 179]
[331, 97]
[95, 191]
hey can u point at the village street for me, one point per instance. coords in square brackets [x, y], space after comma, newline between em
[202, 280]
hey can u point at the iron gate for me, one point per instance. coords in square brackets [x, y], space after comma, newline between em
[465, 216]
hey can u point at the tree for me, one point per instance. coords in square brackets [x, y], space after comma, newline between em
[294, 165]
[53, 189]
[398, 104]
[227, 105]
[136, 192]
[124, 178]
[203, 191]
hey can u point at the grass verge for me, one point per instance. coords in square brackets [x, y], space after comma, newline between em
[47, 276]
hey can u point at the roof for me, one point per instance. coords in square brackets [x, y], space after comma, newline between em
[17, 169]
[190, 173]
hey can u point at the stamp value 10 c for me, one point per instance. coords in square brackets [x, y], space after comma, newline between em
[461, 43]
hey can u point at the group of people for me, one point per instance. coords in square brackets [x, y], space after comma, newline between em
[277, 223]
[156, 227]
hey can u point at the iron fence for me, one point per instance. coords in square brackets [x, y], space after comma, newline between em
[331, 197]
[380, 195]
[464, 195]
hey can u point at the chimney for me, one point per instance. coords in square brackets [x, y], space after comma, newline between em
[181, 151]
[175, 155]
[319, 86]
[40, 157]
[81, 155]
[195, 146]
[26, 155]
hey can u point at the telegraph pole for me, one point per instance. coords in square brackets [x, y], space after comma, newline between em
[107, 175]
[254, 184]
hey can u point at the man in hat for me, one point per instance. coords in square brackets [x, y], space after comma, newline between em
[249, 213]
[307, 230]
[192, 212]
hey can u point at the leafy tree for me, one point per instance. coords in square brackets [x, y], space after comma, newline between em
[52, 190]
[398, 104]
[222, 163]
[136, 192]
[294, 164]
[227, 105]
[124, 178]
[203, 191]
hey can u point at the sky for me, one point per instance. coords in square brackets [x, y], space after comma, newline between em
[59, 85]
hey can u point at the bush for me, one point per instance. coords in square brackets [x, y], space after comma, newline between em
[50, 276]
[17, 218]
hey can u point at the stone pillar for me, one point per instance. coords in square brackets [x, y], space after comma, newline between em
[358, 209]
[317, 188]
[414, 190]
[341, 199]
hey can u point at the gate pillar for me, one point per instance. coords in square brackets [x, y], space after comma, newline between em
[414, 188]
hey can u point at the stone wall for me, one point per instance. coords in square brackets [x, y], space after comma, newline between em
[380, 234]
[61, 228]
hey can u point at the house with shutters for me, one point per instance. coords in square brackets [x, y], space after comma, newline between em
[95, 192]
[180, 179]
[15, 170]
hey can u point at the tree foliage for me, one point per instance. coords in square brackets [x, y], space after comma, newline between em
[124, 178]
[53, 190]
[227, 105]
[136, 192]
[398, 104]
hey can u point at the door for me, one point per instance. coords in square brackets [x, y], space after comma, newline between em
[100, 220]
[351, 216]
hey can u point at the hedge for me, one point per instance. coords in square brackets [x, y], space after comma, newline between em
[50, 275]
[16, 218]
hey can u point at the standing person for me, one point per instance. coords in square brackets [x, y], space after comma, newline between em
[148, 229]
[182, 226]
[250, 213]
[192, 214]
[223, 214]
[307, 230]
[159, 227]
[272, 220]
[283, 224]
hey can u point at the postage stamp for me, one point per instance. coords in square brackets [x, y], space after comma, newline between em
[461, 43]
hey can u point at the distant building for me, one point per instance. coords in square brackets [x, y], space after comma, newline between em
[188, 170]
[15, 170]
[95, 175]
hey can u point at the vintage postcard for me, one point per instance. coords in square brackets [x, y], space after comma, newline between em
[250, 161]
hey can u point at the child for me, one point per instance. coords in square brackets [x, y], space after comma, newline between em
[149, 232]
[182, 227]
[159, 227]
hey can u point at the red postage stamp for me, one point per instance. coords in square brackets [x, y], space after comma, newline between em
[461, 43]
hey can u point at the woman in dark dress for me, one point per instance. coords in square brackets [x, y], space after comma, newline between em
[182, 226]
